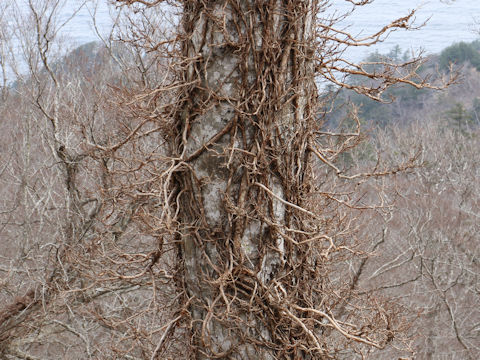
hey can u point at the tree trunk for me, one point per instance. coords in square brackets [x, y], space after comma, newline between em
[244, 129]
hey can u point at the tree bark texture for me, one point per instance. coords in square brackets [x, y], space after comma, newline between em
[243, 135]
[205, 139]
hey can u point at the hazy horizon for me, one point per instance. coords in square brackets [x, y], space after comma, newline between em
[447, 23]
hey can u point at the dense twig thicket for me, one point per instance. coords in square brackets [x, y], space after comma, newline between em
[187, 198]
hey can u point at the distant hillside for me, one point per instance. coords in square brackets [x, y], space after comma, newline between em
[458, 106]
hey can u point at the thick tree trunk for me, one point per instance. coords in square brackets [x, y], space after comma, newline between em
[244, 145]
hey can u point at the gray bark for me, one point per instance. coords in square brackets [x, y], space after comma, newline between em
[231, 210]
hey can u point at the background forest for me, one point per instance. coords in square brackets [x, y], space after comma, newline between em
[66, 130]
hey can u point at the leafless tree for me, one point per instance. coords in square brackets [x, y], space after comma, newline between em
[189, 199]
[427, 249]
